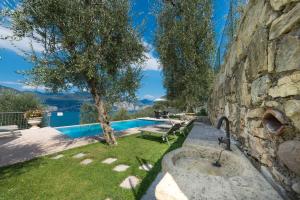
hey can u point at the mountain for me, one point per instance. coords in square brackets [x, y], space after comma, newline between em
[60, 102]
[7, 89]
[146, 102]
[65, 101]
[71, 102]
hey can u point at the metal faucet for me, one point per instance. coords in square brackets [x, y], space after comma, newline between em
[227, 139]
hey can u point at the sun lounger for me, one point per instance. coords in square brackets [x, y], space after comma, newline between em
[182, 128]
[164, 126]
[9, 131]
[164, 134]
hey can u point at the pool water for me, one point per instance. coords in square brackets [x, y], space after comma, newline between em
[95, 129]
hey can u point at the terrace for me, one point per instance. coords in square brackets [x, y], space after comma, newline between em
[94, 169]
[240, 141]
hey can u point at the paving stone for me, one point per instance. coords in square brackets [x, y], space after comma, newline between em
[86, 161]
[146, 167]
[109, 160]
[121, 168]
[130, 182]
[57, 157]
[80, 155]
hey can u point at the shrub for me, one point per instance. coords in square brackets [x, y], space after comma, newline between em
[18, 102]
[202, 112]
[122, 114]
[88, 114]
[11, 103]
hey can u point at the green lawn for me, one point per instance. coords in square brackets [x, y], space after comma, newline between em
[65, 178]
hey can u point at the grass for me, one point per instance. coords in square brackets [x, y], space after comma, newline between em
[65, 178]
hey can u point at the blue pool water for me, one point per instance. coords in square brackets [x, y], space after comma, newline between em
[95, 129]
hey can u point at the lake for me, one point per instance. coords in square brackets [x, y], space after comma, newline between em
[67, 119]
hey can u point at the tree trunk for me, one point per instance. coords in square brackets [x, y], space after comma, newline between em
[103, 120]
[103, 117]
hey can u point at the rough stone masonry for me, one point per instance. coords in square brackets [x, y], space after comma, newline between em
[258, 88]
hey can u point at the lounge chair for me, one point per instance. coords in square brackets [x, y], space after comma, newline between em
[165, 114]
[164, 126]
[157, 114]
[9, 131]
[182, 128]
[164, 134]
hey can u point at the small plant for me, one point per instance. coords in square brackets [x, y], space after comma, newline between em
[202, 112]
[34, 114]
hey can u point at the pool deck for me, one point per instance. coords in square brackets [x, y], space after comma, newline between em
[34, 143]
[45, 141]
[162, 120]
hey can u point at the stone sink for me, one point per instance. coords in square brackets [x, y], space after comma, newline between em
[190, 175]
[200, 162]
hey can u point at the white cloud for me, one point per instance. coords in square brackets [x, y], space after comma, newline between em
[10, 83]
[160, 99]
[31, 88]
[151, 63]
[149, 97]
[18, 46]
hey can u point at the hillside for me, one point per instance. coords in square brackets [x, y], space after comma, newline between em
[67, 102]
[5, 89]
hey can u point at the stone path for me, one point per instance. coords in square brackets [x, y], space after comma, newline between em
[121, 168]
[57, 157]
[147, 167]
[86, 161]
[79, 155]
[130, 182]
[109, 160]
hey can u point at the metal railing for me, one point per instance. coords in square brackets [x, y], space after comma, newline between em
[17, 118]
[13, 118]
[229, 31]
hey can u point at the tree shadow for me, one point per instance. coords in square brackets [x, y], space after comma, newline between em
[155, 137]
[5, 140]
[19, 159]
[152, 174]
[142, 161]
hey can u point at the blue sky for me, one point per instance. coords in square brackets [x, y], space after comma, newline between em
[11, 58]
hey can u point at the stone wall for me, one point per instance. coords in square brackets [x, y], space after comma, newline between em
[258, 88]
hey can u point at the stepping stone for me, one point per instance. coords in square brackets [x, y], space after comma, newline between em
[80, 155]
[130, 182]
[86, 161]
[121, 168]
[57, 157]
[109, 160]
[147, 167]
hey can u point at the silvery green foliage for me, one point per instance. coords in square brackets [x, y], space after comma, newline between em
[185, 42]
[84, 41]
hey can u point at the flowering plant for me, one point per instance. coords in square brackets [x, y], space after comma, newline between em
[33, 114]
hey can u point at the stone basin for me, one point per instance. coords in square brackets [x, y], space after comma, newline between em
[199, 161]
[188, 172]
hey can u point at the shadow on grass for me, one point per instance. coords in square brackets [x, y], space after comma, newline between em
[156, 137]
[19, 168]
[142, 161]
[152, 174]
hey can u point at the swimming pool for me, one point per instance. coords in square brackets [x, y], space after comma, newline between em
[95, 129]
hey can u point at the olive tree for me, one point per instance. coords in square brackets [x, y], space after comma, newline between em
[185, 43]
[88, 44]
